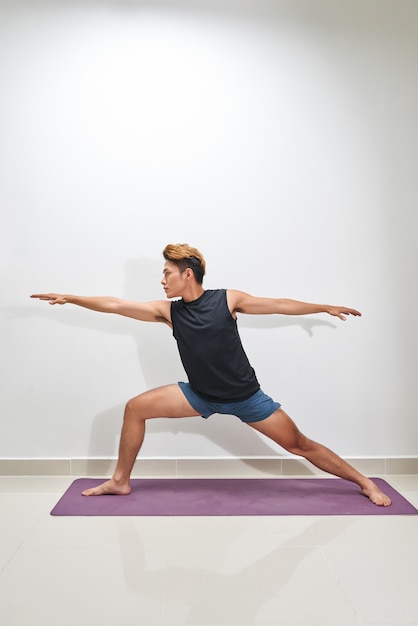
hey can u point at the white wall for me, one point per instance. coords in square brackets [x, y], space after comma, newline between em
[280, 138]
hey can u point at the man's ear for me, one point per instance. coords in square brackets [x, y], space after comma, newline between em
[189, 273]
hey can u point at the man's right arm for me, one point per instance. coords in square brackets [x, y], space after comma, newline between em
[157, 311]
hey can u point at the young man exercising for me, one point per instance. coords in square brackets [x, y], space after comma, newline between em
[221, 379]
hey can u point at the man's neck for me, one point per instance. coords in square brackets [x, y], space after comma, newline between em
[193, 293]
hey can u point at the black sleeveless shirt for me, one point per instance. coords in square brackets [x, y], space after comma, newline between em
[210, 348]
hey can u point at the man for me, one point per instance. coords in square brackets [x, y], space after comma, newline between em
[221, 379]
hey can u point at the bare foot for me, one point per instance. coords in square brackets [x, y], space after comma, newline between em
[109, 488]
[374, 494]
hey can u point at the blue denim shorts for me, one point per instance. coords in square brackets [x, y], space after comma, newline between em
[255, 409]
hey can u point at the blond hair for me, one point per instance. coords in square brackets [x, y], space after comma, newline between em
[185, 256]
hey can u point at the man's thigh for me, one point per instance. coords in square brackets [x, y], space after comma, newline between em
[166, 401]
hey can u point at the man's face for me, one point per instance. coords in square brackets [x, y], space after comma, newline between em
[173, 281]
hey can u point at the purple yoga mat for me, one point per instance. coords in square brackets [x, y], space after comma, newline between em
[231, 496]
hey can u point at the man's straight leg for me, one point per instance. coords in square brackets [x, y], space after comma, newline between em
[168, 401]
[281, 429]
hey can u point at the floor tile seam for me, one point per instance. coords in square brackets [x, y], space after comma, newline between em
[341, 586]
[67, 548]
[164, 603]
[11, 557]
[164, 599]
[27, 534]
[394, 482]
[374, 546]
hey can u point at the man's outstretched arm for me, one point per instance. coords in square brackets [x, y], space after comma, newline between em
[158, 311]
[241, 302]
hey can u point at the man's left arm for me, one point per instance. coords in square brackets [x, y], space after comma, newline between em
[241, 302]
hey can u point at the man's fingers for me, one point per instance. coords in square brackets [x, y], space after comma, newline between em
[342, 312]
[52, 297]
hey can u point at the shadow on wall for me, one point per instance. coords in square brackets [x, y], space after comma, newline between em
[161, 365]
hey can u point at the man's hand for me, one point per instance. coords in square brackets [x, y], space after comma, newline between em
[53, 298]
[342, 312]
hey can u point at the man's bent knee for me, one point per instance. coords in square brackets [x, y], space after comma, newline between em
[135, 407]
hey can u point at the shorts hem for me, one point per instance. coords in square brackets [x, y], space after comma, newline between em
[245, 410]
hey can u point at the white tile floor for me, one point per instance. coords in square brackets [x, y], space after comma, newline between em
[287, 571]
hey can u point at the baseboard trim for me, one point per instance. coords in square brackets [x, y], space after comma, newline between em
[188, 467]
